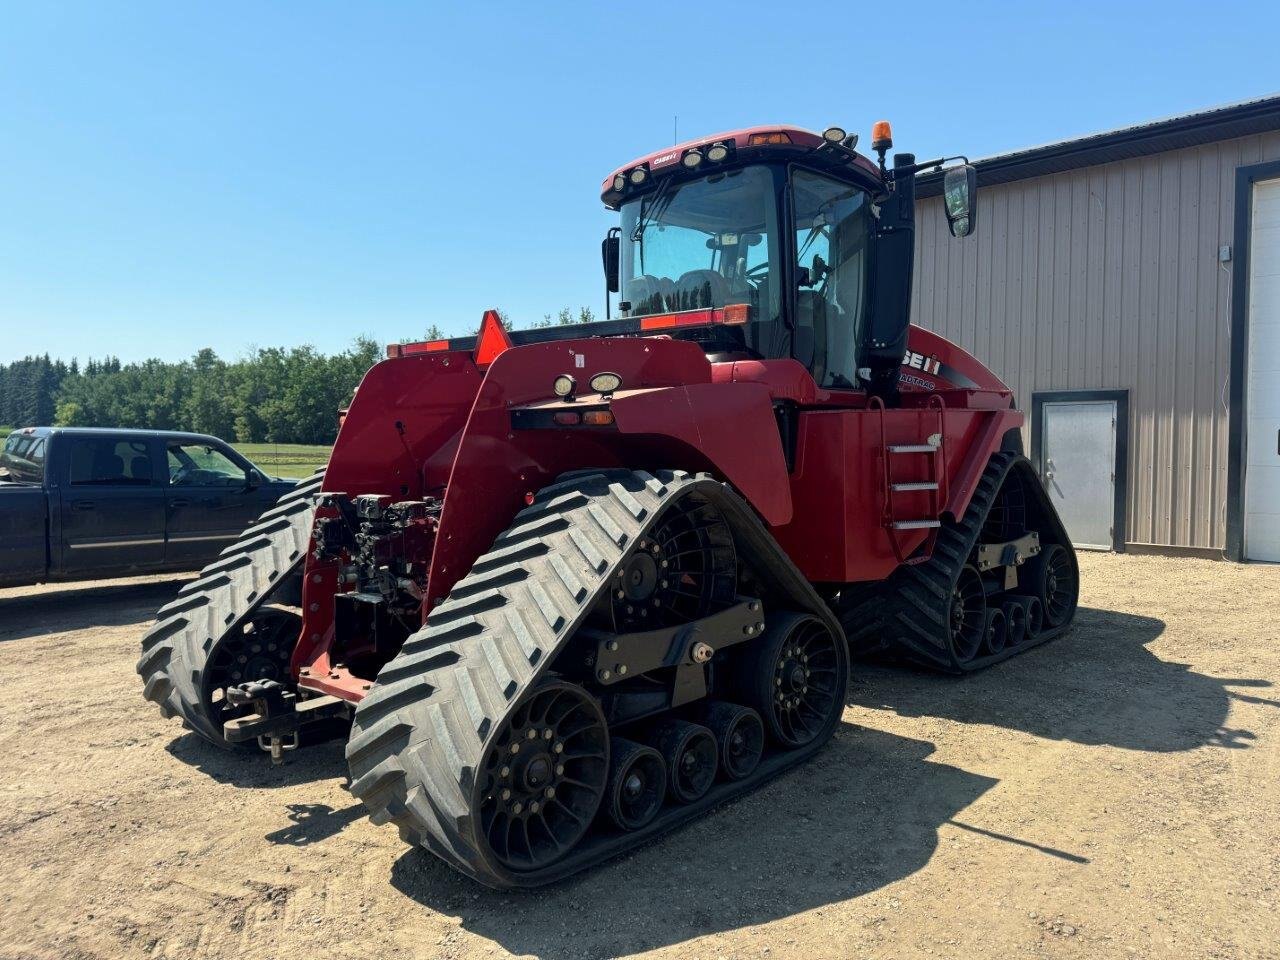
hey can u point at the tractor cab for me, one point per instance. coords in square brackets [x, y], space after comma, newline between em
[773, 242]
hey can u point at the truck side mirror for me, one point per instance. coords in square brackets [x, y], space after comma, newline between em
[959, 195]
[610, 249]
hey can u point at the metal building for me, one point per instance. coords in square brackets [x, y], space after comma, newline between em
[1132, 278]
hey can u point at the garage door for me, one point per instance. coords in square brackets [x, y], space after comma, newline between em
[1262, 403]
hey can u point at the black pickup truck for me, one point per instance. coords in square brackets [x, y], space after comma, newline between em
[83, 503]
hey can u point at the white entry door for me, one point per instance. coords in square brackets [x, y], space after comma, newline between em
[1079, 468]
[1262, 399]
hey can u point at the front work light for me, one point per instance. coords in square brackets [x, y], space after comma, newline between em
[619, 182]
[833, 135]
[692, 159]
[638, 176]
[717, 152]
[563, 386]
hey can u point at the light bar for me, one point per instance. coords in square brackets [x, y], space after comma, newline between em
[762, 139]
[733, 314]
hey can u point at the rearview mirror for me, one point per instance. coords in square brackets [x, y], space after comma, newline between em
[959, 192]
[609, 251]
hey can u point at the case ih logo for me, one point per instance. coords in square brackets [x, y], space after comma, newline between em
[663, 160]
[918, 361]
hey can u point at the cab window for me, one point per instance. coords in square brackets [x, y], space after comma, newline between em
[833, 226]
[103, 461]
[200, 465]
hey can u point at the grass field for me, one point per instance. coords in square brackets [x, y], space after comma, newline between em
[285, 459]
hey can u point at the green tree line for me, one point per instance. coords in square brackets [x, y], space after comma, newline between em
[273, 395]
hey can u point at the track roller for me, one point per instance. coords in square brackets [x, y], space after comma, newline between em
[1035, 617]
[740, 733]
[690, 753]
[997, 634]
[1015, 618]
[637, 784]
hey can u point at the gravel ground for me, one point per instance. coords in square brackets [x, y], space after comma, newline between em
[1111, 794]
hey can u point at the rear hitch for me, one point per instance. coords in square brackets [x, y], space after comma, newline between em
[277, 715]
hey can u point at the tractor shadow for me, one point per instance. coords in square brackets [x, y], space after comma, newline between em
[1098, 685]
[867, 810]
[82, 607]
[251, 768]
[863, 813]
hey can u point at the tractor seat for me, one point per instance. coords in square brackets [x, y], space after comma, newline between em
[700, 289]
[650, 294]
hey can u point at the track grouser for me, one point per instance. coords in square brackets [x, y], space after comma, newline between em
[565, 589]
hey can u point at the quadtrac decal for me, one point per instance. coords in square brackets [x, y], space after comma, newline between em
[930, 365]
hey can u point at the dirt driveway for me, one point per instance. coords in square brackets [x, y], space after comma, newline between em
[1113, 794]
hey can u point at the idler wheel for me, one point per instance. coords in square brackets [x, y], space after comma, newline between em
[543, 777]
[1054, 581]
[968, 614]
[793, 678]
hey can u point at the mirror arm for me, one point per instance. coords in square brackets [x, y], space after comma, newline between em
[929, 165]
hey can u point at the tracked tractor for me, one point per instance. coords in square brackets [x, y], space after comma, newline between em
[566, 589]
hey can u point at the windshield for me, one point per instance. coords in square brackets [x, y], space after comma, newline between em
[705, 244]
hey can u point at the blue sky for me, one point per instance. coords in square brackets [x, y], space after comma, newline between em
[174, 176]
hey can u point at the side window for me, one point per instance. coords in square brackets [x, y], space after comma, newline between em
[833, 228]
[200, 465]
[23, 457]
[108, 461]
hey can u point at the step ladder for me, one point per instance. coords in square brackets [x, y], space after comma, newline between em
[933, 449]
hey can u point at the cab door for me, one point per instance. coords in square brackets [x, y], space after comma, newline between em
[112, 505]
[212, 497]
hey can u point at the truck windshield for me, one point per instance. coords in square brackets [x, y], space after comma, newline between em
[23, 458]
[704, 244]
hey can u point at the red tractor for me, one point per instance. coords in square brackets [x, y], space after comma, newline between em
[572, 587]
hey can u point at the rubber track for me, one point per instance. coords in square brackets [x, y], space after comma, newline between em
[907, 615]
[176, 649]
[420, 734]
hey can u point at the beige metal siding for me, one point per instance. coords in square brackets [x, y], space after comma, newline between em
[1103, 278]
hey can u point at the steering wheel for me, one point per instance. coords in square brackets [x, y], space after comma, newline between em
[181, 475]
[757, 273]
